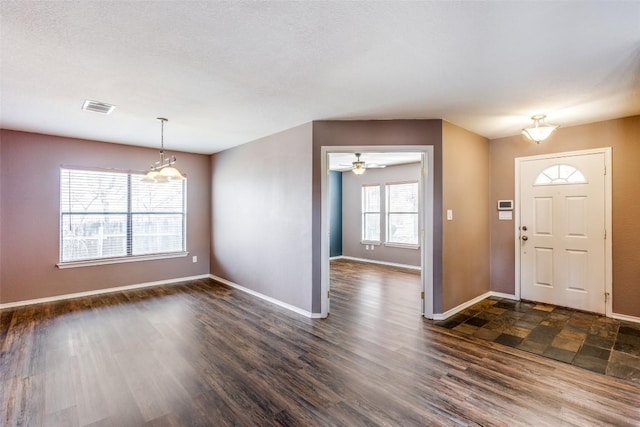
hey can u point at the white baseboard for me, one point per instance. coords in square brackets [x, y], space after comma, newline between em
[100, 291]
[267, 298]
[459, 308]
[503, 295]
[373, 261]
[625, 317]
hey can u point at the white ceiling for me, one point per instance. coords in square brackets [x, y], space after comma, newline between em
[229, 72]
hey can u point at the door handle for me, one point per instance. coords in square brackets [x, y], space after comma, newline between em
[525, 238]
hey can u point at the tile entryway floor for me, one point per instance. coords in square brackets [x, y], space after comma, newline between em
[587, 340]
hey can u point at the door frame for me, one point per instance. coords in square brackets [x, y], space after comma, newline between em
[607, 218]
[426, 185]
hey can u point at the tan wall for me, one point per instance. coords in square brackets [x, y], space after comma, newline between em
[465, 190]
[29, 225]
[623, 135]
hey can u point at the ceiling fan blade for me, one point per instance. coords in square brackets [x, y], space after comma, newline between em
[375, 166]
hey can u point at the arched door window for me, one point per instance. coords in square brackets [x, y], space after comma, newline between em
[560, 174]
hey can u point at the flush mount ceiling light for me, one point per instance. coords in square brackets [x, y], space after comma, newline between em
[162, 170]
[540, 129]
[98, 107]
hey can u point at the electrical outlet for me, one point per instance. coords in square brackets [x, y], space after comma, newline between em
[195, 258]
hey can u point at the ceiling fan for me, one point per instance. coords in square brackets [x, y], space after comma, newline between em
[359, 166]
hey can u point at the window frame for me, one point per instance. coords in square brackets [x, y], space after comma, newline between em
[129, 214]
[364, 214]
[389, 212]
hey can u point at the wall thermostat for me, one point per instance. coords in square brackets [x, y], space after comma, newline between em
[505, 205]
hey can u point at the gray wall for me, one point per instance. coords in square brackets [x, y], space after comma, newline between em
[352, 218]
[29, 226]
[261, 216]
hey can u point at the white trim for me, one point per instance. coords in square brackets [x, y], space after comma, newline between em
[266, 298]
[503, 295]
[608, 286]
[105, 261]
[459, 308]
[625, 317]
[401, 245]
[426, 218]
[101, 291]
[373, 261]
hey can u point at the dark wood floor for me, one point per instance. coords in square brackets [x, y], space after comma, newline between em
[201, 353]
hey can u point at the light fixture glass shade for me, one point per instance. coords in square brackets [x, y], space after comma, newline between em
[150, 176]
[540, 130]
[171, 174]
[358, 167]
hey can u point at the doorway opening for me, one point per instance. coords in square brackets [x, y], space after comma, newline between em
[388, 215]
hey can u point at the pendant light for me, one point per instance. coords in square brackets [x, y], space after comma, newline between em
[163, 170]
[540, 129]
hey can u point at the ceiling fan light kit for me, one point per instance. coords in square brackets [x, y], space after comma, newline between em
[359, 166]
[540, 129]
[163, 170]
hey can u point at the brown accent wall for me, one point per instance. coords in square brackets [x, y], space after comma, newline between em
[29, 222]
[623, 135]
[373, 133]
[465, 191]
[261, 216]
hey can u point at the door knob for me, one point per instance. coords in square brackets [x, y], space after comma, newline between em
[524, 228]
[525, 238]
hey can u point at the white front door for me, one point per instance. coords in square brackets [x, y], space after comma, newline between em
[562, 231]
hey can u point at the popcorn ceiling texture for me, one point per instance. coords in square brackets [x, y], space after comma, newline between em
[226, 73]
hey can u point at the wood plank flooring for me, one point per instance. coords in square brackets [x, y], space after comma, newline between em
[201, 353]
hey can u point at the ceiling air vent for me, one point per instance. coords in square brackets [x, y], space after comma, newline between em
[98, 107]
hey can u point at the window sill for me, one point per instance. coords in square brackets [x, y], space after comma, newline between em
[370, 242]
[402, 245]
[105, 261]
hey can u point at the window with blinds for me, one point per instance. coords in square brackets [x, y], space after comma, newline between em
[114, 214]
[371, 213]
[402, 213]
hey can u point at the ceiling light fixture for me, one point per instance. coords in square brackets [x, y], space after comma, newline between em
[162, 170]
[540, 129]
[358, 166]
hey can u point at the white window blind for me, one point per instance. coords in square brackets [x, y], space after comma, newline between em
[114, 214]
[371, 213]
[402, 213]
